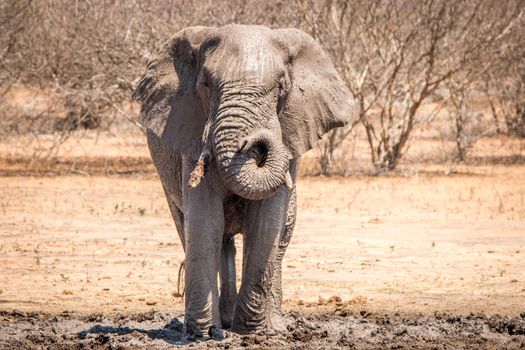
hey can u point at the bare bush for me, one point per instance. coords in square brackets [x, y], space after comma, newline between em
[506, 93]
[89, 52]
[466, 119]
[396, 55]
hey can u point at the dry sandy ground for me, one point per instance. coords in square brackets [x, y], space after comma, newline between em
[421, 246]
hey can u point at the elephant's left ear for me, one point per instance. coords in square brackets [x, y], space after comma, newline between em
[318, 100]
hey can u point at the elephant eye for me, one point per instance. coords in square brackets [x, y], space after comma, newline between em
[282, 94]
[204, 82]
[282, 87]
[204, 79]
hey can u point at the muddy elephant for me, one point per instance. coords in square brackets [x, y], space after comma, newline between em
[228, 113]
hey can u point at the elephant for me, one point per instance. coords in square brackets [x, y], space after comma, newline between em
[228, 111]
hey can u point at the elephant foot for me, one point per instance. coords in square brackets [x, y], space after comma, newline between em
[226, 321]
[271, 323]
[276, 323]
[239, 329]
[193, 330]
[196, 330]
[270, 328]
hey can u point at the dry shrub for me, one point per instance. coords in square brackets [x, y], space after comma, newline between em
[88, 53]
[395, 56]
[85, 55]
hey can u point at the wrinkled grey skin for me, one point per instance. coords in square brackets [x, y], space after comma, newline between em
[250, 100]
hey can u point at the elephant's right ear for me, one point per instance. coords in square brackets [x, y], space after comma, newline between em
[170, 107]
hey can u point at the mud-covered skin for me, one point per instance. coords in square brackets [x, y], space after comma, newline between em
[229, 111]
[330, 328]
[265, 229]
[259, 303]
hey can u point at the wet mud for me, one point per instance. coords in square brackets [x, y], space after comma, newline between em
[330, 328]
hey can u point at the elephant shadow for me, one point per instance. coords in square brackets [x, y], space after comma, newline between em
[172, 333]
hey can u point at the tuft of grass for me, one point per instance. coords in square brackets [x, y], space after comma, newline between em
[121, 207]
[141, 211]
[64, 277]
[38, 260]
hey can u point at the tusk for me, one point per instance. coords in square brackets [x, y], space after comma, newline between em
[288, 181]
[198, 173]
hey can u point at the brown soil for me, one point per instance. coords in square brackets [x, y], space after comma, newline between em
[421, 261]
[333, 327]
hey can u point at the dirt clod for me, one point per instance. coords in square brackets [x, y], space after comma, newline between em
[216, 333]
[364, 313]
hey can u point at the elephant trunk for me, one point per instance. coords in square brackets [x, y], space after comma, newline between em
[253, 164]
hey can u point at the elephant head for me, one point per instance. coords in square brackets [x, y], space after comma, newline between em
[250, 97]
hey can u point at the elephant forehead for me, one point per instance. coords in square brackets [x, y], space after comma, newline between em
[249, 55]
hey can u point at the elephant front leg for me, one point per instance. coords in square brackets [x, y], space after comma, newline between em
[276, 295]
[263, 226]
[228, 281]
[203, 233]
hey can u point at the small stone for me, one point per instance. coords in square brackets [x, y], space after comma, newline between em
[364, 313]
[343, 313]
[18, 313]
[401, 331]
[259, 339]
[344, 341]
[334, 299]
[216, 333]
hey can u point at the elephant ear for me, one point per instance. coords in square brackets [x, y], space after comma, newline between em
[318, 100]
[170, 107]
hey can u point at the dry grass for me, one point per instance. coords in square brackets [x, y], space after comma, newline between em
[430, 236]
[420, 243]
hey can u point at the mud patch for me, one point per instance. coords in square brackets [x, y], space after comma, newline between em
[329, 328]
